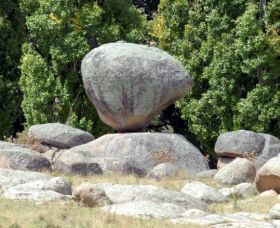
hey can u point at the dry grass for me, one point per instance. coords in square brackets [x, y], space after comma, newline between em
[59, 214]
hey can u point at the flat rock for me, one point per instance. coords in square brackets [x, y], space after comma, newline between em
[15, 156]
[162, 170]
[9, 177]
[239, 143]
[33, 186]
[139, 153]
[207, 173]
[120, 194]
[203, 192]
[206, 220]
[59, 135]
[146, 209]
[238, 171]
[275, 212]
[268, 177]
[250, 224]
[137, 85]
[241, 190]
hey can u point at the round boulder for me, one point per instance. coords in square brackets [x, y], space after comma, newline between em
[268, 177]
[130, 84]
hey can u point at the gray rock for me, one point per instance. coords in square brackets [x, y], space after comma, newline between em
[10, 177]
[207, 173]
[162, 170]
[250, 224]
[140, 152]
[276, 223]
[271, 149]
[241, 190]
[246, 217]
[239, 143]
[206, 220]
[222, 161]
[75, 163]
[146, 209]
[90, 196]
[33, 186]
[194, 213]
[238, 171]
[203, 192]
[15, 156]
[120, 194]
[268, 176]
[137, 85]
[275, 212]
[268, 193]
[59, 135]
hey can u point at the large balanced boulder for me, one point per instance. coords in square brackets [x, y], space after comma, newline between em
[139, 153]
[14, 156]
[130, 84]
[268, 177]
[59, 135]
[238, 171]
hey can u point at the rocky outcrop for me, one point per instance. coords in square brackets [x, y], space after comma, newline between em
[33, 186]
[138, 153]
[162, 170]
[59, 135]
[238, 171]
[207, 173]
[268, 177]
[14, 156]
[137, 85]
[241, 190]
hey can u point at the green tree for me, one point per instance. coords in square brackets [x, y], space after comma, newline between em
[231, 49]
[60, 33]
[12, 33]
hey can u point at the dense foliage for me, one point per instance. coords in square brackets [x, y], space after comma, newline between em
[12, 32]
[231, 49]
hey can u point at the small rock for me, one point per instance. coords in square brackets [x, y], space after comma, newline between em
[192, 213]
[268, 193]
[207, 173]
[90, 196]
[59, 135]
[162, 170]
[238, 171]
[268, 177]
[206, 220]
[241, 190]
[275, 212]
[250, 224]
[203, 192]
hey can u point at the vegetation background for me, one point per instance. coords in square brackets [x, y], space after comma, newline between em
[230, 47]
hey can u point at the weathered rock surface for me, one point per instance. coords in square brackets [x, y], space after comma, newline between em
[59, 135]
[207, 173]
[222, 161]
[271, 149]
[238, 171]
[33, 186]
[268, 177]
[120, 194]
[203, 192]
[138, 153]
[90, 196]
[75, 163]
[138, 84]
[15, 156]
[275, 211]
[162, 170]
[250, 224]
[240, 190]
[146, 209]
[239, 143]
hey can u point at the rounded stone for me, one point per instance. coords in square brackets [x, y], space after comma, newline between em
[130, 84]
